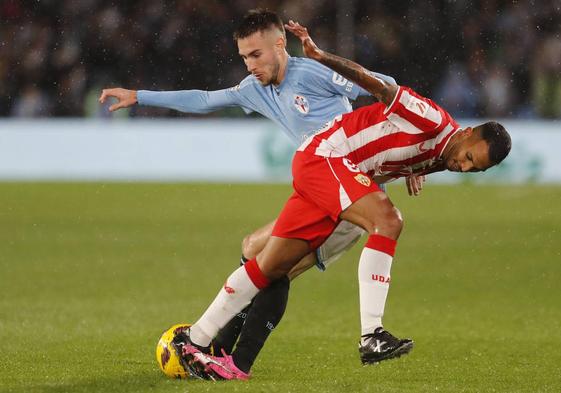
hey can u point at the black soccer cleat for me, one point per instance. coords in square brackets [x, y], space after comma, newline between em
[188, 359]
[382, 345]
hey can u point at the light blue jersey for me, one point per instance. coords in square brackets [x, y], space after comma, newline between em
[310, 95]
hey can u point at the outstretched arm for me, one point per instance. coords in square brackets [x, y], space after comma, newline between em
[189, 101]
[382, 90]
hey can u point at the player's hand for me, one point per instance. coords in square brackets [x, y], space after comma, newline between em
[310, 48]
[125, 98]
[414, 184]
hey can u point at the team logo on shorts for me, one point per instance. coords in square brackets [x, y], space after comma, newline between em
[362, 179]
[301, 103]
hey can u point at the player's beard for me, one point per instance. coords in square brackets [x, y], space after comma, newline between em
[274, 75]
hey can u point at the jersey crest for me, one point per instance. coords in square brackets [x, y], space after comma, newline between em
[301, 104]
[362, 179]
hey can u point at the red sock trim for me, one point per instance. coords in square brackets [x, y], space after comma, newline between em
[255, 274]
[381, 243]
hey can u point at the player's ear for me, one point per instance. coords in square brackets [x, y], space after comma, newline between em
[281, 42]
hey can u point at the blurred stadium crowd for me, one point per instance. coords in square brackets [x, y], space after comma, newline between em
[477, 58]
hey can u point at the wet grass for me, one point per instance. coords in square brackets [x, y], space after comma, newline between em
[91, 274]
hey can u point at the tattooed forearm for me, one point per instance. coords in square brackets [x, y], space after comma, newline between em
[347, 68]
[358, 74]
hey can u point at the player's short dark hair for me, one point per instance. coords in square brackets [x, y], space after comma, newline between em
[498, 140]
[258, 20]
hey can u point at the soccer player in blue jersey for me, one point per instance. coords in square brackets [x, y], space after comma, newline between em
[300, 95]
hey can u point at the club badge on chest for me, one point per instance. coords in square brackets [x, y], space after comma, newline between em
[301, 104]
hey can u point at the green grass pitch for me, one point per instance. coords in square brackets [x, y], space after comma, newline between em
[91, 274]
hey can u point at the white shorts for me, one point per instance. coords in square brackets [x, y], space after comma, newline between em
[342, 239]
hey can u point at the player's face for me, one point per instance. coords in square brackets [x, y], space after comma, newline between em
[470, 155]
[261, 54]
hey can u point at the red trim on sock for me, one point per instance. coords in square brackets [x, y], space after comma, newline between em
[381, 243]
[255, 274]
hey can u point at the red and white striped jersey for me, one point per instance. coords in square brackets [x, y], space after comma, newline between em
[404, 138]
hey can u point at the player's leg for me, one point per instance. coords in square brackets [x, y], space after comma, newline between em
[268, 307]
[383, 222]
[280, 255]
[361, 202]
[264, 315]
[254, 323]
[276, 261]
[252, 245]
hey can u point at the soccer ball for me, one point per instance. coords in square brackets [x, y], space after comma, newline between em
[165, 354]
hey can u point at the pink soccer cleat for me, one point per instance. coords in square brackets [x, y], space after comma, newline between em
[225, 368]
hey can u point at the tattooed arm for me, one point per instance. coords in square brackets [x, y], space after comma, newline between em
[382, 90]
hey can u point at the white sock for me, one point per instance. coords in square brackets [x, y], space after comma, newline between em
[374, 281]
[236, 293]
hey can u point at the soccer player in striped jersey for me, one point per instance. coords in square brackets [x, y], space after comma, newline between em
[332, 171]
[300, 95]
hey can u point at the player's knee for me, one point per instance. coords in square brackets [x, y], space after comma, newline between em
[248, 247]
[390, 223]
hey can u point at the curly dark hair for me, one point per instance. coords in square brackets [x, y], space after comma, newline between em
[498, 140]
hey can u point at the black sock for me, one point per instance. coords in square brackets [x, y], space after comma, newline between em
[263, 316]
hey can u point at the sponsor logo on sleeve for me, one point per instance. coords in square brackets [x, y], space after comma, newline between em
[341, 81]
[417, 106]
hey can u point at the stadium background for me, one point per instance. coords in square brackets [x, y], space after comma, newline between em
[114, 227]
[478, 58]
